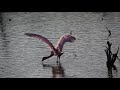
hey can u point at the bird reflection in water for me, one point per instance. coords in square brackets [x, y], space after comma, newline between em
[57, 70]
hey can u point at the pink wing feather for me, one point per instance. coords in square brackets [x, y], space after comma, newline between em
[62, 40]
[43, 39]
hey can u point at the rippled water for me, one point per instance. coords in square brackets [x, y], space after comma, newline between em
[20, 56]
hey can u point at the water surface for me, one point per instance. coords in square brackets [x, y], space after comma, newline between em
[20, 56]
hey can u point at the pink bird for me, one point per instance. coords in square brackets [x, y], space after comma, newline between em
[56, 51]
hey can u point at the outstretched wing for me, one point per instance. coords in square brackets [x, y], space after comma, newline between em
[43, 39]
[62, 40]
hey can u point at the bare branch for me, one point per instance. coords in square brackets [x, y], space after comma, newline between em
[117, 50]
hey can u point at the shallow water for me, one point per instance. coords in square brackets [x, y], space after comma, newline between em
[20, 56]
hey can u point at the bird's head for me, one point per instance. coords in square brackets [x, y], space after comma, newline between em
[72, 38]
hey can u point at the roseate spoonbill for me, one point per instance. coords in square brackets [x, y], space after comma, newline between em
[56, 51]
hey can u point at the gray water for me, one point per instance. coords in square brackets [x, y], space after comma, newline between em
[20, 55]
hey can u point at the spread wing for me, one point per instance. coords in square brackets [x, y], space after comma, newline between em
[43, 39]
[63, 39]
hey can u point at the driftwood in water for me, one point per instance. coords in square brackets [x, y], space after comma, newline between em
[111, 58]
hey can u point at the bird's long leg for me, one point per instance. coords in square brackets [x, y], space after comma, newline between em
[57, 59]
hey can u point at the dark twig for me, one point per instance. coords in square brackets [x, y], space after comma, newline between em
[108, 31]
